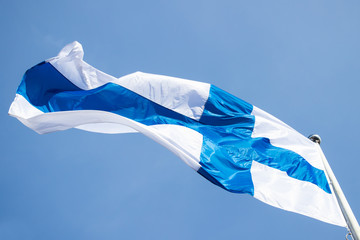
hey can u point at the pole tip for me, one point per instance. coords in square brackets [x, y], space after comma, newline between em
[315, 138]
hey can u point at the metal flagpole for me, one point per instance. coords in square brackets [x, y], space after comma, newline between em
[348, 214]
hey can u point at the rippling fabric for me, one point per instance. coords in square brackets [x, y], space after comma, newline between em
[228, 141]
[226, 125]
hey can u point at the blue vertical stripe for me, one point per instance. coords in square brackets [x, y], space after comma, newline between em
[228, 148]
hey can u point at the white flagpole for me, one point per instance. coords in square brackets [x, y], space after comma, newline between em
[348, 214]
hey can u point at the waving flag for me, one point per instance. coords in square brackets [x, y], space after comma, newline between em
[232, 143]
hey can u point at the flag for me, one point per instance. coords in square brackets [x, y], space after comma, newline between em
[230, 142]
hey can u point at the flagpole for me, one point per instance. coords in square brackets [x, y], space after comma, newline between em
[348, 214]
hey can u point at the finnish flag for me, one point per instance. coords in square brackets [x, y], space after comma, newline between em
[230, 142]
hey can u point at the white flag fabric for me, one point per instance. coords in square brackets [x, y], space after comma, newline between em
[232, 143]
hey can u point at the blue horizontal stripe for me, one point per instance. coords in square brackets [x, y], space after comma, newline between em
[226, 125]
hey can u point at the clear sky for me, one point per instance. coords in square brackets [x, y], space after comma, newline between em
[298, 60]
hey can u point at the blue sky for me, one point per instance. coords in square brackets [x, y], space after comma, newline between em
[298, 60]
